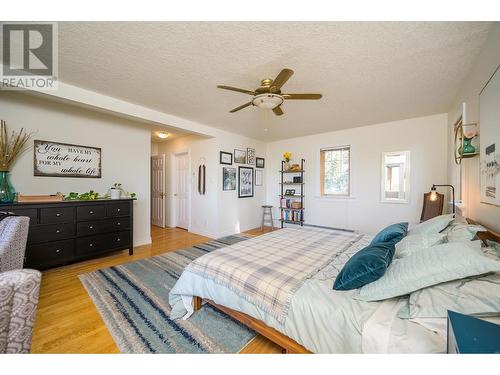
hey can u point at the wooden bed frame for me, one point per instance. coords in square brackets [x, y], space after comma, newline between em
[288, 345]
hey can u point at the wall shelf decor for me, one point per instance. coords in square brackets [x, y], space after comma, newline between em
[292, 206]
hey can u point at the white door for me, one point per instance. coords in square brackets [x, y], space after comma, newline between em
[158, 190]
[181, 194]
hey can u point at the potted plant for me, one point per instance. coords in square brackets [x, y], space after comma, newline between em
[10, 148]
[287, 156]
[115, 192]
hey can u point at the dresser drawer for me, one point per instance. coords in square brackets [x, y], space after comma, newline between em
[90, 212]
[50, 254]
[92, 244]
[122, 223]
[51, 232]
[120, 239]
[30, 212]
[57, 215]
[118, 209]
[86, 228]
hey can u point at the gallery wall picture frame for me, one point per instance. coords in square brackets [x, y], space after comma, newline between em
[240, 156]
[260, 162]
[245, 182]
[251, 156]
[228, 178]
[259, 178]
[226, 158]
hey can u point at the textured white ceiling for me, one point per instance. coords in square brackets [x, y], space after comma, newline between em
[368, 72]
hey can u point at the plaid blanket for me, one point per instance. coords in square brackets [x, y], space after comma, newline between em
[268, 269]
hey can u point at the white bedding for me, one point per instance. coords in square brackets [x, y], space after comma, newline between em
[324, 320]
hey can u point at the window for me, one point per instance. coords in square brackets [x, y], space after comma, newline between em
[395, 183]
[335, 171]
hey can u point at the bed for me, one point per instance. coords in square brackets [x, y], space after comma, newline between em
[294, 305]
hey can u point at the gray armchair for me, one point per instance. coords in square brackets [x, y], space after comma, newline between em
[18, 301]
[13, 237]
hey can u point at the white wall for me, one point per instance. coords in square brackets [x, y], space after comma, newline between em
[125, 151]
[218, 212]
[425, 137]
[487, 62]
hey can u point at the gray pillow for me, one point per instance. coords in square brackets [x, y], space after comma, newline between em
[427, 267]
[432, 226]
[473, 295]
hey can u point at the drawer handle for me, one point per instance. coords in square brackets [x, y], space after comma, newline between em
[119, 209]
[91, 212]
[91, 227]
[58, 214]
[58, 251]
[118, 239]
[118, 223]
[91, 245]
[58, 231]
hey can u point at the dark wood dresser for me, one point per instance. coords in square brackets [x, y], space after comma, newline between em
[70, 231]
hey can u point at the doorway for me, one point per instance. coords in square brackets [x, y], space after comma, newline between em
[158, 190]
[182, 189]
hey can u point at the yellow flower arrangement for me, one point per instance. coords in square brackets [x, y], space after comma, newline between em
[287, 156]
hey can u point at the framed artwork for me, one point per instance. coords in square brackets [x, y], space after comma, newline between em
[258, 178]
[259, 162]
[54, 159]
[240, 156]
[226, 158]
[251, 156]
[489, 151]
[245, 182]
[228, 178]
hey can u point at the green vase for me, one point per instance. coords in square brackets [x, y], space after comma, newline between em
[7, 192]
[468, 147]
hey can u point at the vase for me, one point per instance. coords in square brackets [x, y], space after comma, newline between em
[7, 192]
[115, 193]
[286, 166]
[468, 148]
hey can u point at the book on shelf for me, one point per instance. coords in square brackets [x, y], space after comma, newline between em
[291, 215]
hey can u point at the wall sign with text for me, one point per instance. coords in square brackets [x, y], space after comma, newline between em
[66, 160]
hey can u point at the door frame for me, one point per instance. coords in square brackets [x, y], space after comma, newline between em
[172, 207]
[165, 212]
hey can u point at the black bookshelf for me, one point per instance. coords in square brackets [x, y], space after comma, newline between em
[288, 213]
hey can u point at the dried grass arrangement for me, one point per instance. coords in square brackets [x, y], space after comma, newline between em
[11, 146]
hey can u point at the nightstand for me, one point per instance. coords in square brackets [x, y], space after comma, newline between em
[470, 335]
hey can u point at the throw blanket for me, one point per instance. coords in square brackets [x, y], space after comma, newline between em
[268, 269]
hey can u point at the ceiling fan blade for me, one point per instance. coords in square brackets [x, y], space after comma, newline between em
[249, 92]
[281, 79]
[240, 107]
[278, 111]
[302, 96]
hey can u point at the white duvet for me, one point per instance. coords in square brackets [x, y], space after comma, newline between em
[324, 320]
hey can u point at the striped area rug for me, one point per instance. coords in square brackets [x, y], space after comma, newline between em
[133, 301]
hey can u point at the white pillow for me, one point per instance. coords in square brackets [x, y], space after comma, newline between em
[473, 295]
[410, 244]
[427, 267]
[462, 232]
[432, 226]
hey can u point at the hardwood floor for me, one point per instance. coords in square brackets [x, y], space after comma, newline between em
[67, 320]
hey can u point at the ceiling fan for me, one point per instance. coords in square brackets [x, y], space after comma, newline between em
[268, 95]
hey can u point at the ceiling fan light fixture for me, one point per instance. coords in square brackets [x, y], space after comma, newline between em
[268, 101]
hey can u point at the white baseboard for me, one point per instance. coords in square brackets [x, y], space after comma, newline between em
[143, 241]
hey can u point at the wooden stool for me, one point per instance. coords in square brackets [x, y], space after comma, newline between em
[267, 216]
